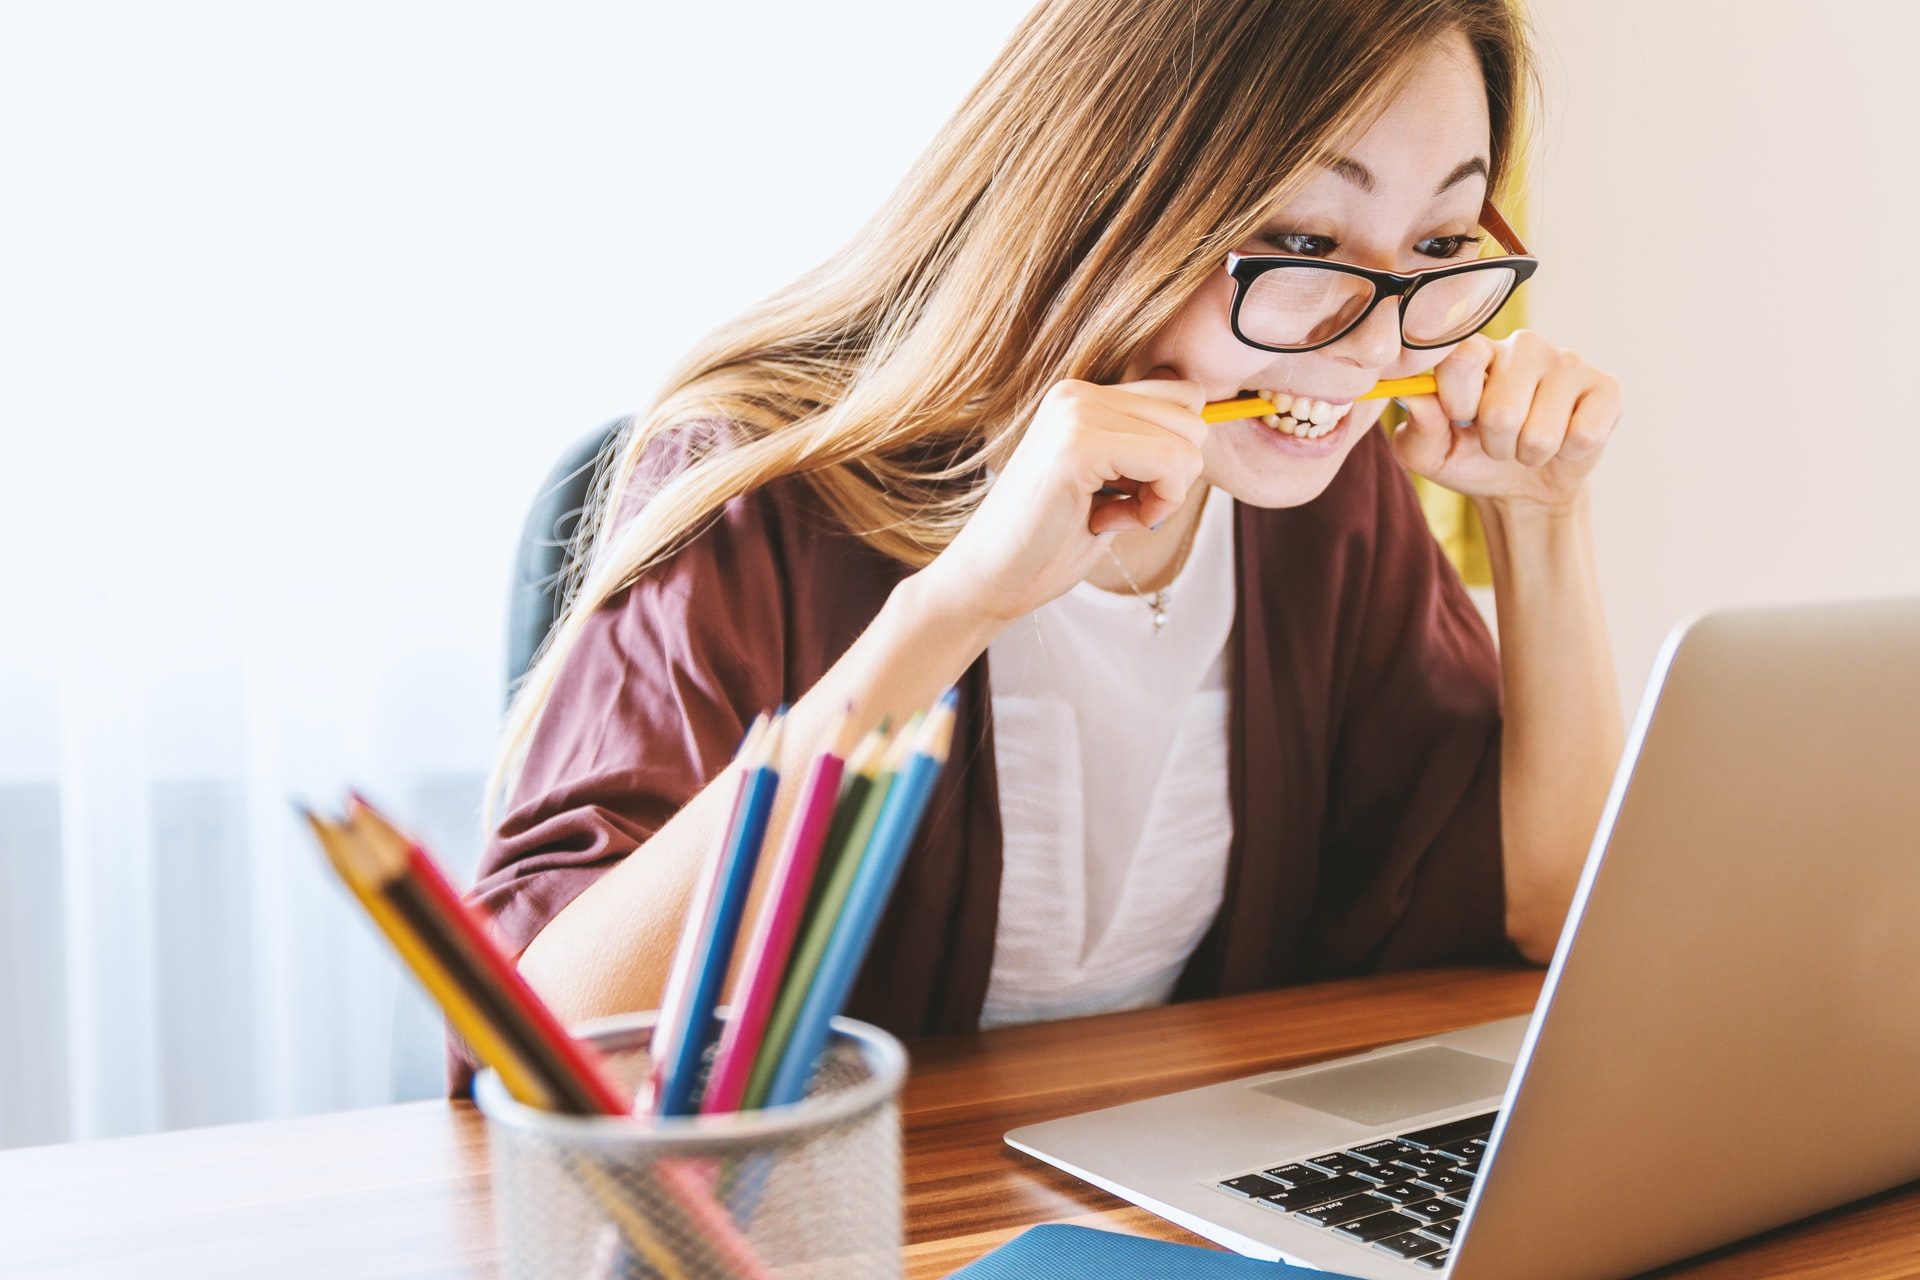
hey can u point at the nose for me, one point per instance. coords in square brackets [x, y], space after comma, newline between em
[1375, 342]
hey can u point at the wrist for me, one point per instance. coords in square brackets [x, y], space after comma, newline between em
[930, 606]
[1520, 516]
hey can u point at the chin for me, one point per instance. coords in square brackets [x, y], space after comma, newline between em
[1264, 467]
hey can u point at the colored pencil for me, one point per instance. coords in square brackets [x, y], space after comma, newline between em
[771, 942]
[513, 1031]
[865, 798]
[479, 1030]
[686, 1024]
[578, 1075]
[866, 901]
[1420, 384]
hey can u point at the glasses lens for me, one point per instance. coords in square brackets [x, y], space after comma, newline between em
[1299, 306]
[1450, 308]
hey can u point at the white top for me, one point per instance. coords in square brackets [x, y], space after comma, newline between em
[1111, 748]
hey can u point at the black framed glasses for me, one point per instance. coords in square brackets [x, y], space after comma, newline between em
[1286, 304]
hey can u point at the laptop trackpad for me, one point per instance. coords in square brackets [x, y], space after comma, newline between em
[1389, 1089]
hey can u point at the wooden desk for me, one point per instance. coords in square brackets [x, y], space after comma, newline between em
[402, 1191]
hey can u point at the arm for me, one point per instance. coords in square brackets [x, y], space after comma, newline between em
[659, 688]
[1536, 419]
[609, 949]
[1563, 726]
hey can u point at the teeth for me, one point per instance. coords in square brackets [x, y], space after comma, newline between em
[1301, 416]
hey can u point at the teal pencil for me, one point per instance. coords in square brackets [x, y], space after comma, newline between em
[864, 799]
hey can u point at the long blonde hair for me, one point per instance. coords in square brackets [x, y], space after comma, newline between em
[1098, 173]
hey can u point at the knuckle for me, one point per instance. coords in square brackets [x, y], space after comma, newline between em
[1065, 393]
[1499, 419]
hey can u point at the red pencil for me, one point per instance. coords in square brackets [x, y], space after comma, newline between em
[588, 1070]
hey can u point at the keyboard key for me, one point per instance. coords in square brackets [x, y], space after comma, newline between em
[1442, 1231]
[1337, 1162]
[1349, 1209]
[1251, 1185]
[1384, 1151]
[1427, 1160]
[1378, 1227]
[1440, 1135]
[1449, 1182]
[1465, 1149]
[1385, 1175]
[1292, 1175]
[1434, 1210]
[1469, 1167]
[1310, 1194]
[1403, 1193]
[1434, 1261]
[1408, 1245]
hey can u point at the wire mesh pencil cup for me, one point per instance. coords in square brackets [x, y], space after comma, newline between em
[795, 1192]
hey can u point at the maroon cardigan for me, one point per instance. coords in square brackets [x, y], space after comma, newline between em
[1364, 752]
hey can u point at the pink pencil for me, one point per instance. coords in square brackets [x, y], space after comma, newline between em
[773, 932]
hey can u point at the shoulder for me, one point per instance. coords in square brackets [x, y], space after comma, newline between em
[779, 517]
[772, 570]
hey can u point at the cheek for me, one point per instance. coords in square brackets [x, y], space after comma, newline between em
[1198, 339]
[1412, 362]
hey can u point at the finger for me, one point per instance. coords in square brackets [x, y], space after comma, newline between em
[1594, 418]
[1166, 404]
[1163, 467]
[1426, 438]
[1545, 429]
[1511, 380]
[1461, 378]
[1115, 514]
[1181, 391]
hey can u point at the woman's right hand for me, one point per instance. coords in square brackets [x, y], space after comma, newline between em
[1039, 529]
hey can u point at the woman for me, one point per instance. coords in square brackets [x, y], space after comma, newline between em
[1228, 719]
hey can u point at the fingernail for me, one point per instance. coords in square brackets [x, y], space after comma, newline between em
[1155, 528]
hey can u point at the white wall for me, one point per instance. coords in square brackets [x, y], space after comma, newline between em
[298, 302]
[1726, 209]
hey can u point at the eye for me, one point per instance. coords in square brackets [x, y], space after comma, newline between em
[1448, 246]
[1301, 245]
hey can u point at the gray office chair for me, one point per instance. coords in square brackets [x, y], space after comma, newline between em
[533, 600]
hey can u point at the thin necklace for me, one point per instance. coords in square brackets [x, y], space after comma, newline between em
[1157, 602]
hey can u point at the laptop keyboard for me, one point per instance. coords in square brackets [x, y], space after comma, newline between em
[1401, 1195]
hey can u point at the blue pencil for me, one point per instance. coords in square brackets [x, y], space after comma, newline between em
[866, 901]
[687, 1021]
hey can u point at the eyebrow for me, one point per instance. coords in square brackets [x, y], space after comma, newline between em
[1362, 177]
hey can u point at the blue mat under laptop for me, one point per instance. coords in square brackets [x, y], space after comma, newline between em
[1061, 1252]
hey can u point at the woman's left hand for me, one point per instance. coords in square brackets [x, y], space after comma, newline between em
[1539, 417]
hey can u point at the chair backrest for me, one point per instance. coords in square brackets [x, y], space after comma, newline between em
[533, 600]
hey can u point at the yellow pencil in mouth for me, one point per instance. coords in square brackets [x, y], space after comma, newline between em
[1421, 384]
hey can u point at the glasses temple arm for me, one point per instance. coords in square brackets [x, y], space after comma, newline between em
[1490, 219]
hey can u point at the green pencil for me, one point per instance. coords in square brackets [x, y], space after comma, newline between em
[860, 805]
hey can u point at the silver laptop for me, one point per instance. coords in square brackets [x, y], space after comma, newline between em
[1728, 1037]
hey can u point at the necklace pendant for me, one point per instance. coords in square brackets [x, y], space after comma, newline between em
[1158, 603]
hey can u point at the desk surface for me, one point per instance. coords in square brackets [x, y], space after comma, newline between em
[402, 1191]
